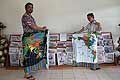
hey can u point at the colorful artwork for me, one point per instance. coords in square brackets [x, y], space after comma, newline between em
[85, 47]
[35, 46]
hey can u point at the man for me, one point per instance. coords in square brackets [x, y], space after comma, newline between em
[92, 26]
[29, 28]
[28, 22]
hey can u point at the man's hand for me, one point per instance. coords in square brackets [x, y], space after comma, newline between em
[98, 24]
[81, 30]
[44, 28]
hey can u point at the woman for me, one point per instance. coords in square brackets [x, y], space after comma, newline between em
[33, 42]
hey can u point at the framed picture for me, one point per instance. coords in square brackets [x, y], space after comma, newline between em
[69, 37]
[15, 44]
[106, 35]
[54, 37]
[108, 49]
[52, 59]
[109, 58]
[63, 37]
[69, 58]
[61, 50]
[15, 37]
[21, 59]
[13, 50]
[69, 49]
[52, 43]
[14, 59]
[61, 58]
[107, 42]
[100, 37]
[68, 43]
[100, 43]
[101, 55]
[61, 44]
[52, 50]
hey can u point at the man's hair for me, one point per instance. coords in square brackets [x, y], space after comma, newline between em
[28, 5]
[90, 14]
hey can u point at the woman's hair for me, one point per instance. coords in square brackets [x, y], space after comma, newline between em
[28, 4]
[90, 14]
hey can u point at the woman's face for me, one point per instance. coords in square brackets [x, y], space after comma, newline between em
[90, 18]
[29, 9]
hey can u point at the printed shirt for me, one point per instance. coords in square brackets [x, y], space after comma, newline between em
[27, 22]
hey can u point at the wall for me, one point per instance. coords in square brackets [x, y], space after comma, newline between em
[62, 15]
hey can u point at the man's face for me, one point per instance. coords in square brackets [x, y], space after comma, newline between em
[29, 9]
[90, 18]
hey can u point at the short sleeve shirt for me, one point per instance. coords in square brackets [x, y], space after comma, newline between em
[27, 22]
[92, 27]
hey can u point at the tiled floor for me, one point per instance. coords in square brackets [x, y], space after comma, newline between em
[108, 73]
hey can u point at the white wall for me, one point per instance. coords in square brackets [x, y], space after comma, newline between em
[61, 15]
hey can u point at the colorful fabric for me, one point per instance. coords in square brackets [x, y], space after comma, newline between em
[85, 49]
[34, 51]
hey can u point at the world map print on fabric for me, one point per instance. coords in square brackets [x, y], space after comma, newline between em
[85, 47]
